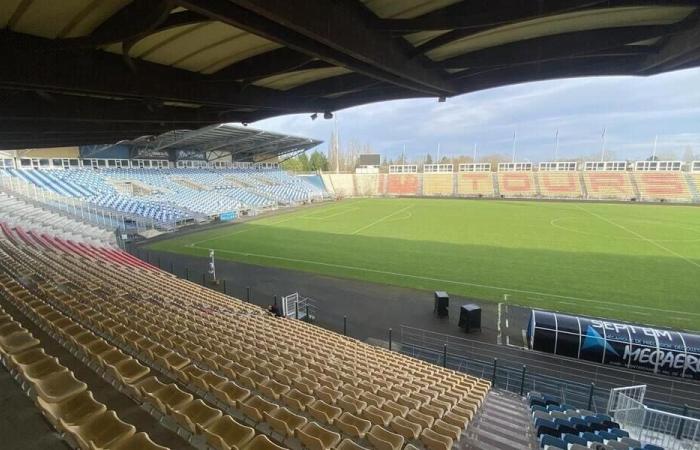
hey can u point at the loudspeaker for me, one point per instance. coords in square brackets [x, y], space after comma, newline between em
[442, 304]
[470, 317]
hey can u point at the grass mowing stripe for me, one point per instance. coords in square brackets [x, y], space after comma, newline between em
[644, 238]
[464, 283]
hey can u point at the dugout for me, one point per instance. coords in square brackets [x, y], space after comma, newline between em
[633, 346]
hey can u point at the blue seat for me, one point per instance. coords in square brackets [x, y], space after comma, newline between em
[618, 432]
[606, 435]
[577, 420]
[538, 408]
[552, 441]
[574, 439]
[652, 447]
[591, 437]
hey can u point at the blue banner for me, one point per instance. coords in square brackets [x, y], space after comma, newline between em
[227, 216]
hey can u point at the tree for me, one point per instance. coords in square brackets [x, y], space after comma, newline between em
[318, 161]
[292, 165]
[428, 159]
[304, 161]
[688, 154]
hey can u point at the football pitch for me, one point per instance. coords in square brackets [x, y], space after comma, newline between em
[639, 263]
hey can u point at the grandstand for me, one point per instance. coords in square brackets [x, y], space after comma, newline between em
[516, 180]
[438, 180]
[212, 368]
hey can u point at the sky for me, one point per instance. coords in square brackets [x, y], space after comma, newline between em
[634, 111]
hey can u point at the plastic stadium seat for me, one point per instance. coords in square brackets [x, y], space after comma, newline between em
[254, 407]
[41, 369]
[352, 405]
[591, 437]
[195, 413]
[315, 437]
[101, 431]
[447, 429]
[138, 441]
[382, 439]
[616, 445]
[405, 428]
[27, 358]
[112, 357]
[148, 385]
[435, 441]
[606, 435]
[272, 389]
[11, 327]
[395, 408]
[17, 342]
[421, 419]
[432, 411]
[230, 393]
[328, 394]
[574, 439]
[552, 442]
[261, 442]
[72, 411]
[652, 447]
[632, 443]
[169, 397]
[59, 387]
[97, 348]
[324, 412]
[347, 444]
[209, 380]
[226, 434]
[130, 371]
[297, 400]
[284, 421]
[352, 425]
[377, 416]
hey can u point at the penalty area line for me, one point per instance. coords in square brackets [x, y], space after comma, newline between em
[440, 280]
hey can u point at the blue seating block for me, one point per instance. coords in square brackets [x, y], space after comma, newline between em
[591, 437]
[574, 439]
[552, 441]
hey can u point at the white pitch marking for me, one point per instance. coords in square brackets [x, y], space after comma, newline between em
[440, 280]
[382, 219]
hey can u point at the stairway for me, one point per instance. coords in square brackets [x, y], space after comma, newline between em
[503, 423]
[694, 188]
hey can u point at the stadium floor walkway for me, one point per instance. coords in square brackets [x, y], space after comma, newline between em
[503, 423]
[126, 409]
[21, 424]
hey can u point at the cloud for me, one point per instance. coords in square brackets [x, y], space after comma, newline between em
[632, 109]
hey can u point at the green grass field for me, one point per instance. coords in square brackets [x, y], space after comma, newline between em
[633, 262]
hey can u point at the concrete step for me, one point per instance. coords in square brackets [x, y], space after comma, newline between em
[502, 424]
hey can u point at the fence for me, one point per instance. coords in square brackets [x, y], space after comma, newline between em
[650, 425]
[574, 382]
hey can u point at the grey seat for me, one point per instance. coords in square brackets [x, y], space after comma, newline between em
[631, 442]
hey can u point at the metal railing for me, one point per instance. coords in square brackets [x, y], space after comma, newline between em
[573, 381]
[650, 425]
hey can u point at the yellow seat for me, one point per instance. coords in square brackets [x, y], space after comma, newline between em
[328, 395]
[97, 348]
[383, 439]
[272, 389]
[456, 420]
[464, 412]
[41, 369]
[351, 404]
[409, 402]
[130, 371]
[388, 394]
[377, 416]
[195, 413]
[11, 327]
[101, 431]
[72, 411]
[230, 393]
[250, 378]
[447, 429]
[173, 361]
[305, 385]
[209, 380]
[405, 428]
[297, 400]
[261, 442]
[169, 397]
[17, 343]
[59, 387]
[348, 444]
[432, 410]
[421, 419]
[315, 437]
[189, 373]
[324, 412]
[284, 421]
[372, 399]
[255, 406]
[435, 441]
[352, 425]
[226, 434]
[138, 441]
[111, 357]
[148, 385]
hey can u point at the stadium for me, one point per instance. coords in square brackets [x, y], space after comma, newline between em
[166, 282]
